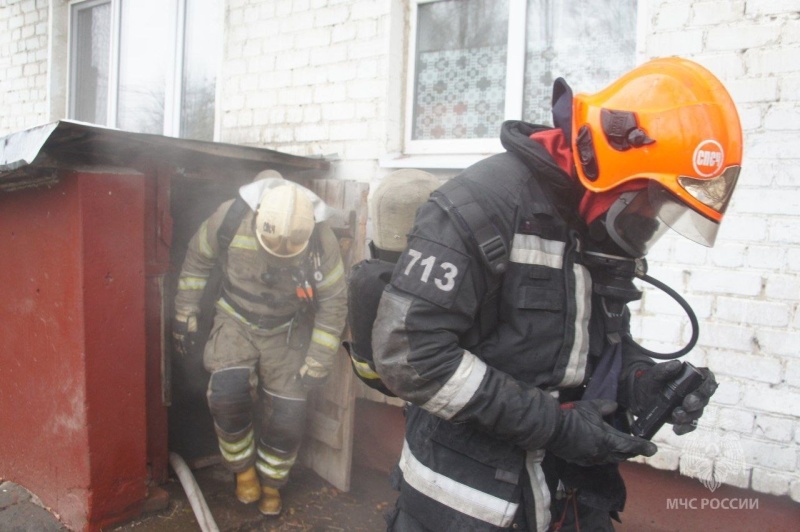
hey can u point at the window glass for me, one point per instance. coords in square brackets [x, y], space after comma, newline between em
[201, 55]
[91, 48]
[588, 43]
[461, 47]
[147, 66]
[476, 63]
[146, 32]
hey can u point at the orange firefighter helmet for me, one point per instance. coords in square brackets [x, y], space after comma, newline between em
[671, 127]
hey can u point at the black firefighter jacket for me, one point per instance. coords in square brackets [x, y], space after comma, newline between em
[483, 406]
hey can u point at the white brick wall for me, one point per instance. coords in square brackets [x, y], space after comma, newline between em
[324, 77]
[308, 78]
[750, 338]
[23, 64]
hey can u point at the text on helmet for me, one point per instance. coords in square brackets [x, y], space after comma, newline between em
[708, 158]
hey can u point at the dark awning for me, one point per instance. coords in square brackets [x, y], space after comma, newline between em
[28, 158]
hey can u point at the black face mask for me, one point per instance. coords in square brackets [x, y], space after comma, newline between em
[601, 242]
[613, 270]
[633, 223]
[636, 220]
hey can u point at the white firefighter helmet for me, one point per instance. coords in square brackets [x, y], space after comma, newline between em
[267, 174]
[284, 220]
[394, 205]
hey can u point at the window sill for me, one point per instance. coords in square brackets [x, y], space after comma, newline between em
[436, 162]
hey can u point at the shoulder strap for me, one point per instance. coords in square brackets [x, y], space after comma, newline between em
[477, 230]
[474, 226]
[310, 272]
[231, 222]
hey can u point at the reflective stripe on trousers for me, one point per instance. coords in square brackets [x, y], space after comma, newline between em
[239, 451]
[274, 465]
[459, 497]
[541, 493]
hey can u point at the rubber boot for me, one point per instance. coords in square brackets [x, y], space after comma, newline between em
[248, 487]
[270, 503]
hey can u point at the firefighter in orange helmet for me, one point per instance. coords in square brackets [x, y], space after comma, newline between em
[277, 326]
[505, 324]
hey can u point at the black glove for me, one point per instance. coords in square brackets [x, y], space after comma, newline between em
[582, 437]
[312, 376]
[648, 383]
[184, 334]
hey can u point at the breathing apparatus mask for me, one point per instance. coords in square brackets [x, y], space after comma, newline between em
[621, 237]
[612, 279]
[637, 219]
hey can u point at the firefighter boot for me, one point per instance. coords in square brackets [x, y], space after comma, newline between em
[270, 503]
[248, 488]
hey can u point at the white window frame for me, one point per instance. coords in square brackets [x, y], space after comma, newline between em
[113, 57]
[174, 83]
[515, 80]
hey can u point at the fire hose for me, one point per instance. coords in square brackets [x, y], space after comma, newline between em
[196, 500]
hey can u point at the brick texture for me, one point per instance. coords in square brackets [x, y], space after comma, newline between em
[320, 77]
[325, 82]
[751, 275]
[23, 64]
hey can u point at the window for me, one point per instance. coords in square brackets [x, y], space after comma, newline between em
[147, 66]
[475, 63]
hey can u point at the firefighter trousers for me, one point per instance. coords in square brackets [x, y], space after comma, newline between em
[256, 401]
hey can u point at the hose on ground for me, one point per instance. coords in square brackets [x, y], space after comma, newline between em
[193, 493]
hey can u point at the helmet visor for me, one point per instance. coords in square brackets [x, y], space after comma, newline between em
[636, 220]
[714, 193]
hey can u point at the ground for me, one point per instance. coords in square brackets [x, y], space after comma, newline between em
[309, 505]
[313, 505]
[21, 511]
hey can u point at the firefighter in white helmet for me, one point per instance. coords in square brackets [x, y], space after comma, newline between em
[277, 327]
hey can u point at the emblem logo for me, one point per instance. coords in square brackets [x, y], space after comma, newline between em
[713, 457]
[708, 158]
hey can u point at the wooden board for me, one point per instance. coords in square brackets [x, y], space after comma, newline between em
[328, 446]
